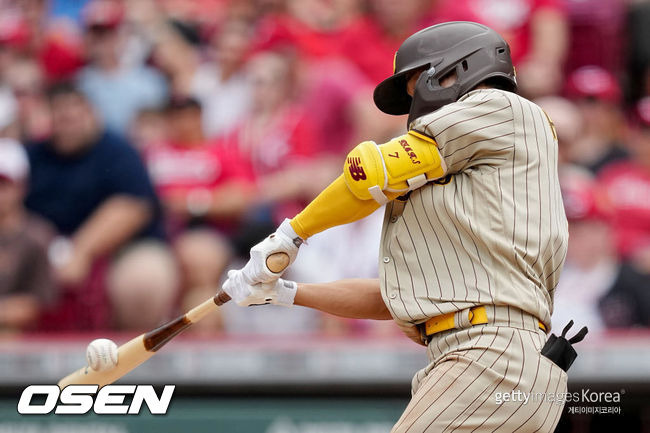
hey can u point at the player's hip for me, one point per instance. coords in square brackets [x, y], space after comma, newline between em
[488, 327]
[487, 378]
[490, 363]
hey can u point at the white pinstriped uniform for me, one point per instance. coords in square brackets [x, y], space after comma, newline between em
[495, 234]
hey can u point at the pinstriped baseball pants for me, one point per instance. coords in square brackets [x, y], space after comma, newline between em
[487, 378]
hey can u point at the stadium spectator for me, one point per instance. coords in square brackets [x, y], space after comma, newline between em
[627, 184]
[163, 35]
[313, 28]
[380, 33]
[117, 90]
[591, 266]
[8, 123]
[325, 46]
[148, 128]
[26, 281]
[638, 52]
[597, 23]
[536, 30]
[205, 188]
[626, 304]
[94, 188]
[221, 84]
[25, 78]
[568, 121]
[598, 97]
[278, 137]
[26, 30]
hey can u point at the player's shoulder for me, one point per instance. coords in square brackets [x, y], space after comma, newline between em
[481, 104]
[489, 94]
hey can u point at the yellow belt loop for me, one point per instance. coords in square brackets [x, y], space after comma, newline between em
[445, 322]
[479, 317]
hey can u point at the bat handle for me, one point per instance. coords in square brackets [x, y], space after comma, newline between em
[276, 263]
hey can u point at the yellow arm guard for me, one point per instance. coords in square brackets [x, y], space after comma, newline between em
[335, 206]
[403, 164]
[373, 175]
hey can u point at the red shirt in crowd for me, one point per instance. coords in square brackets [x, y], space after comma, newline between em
[627, 186]
[178, 169]
[375, 59]
[289, 136]
[511, 18]
[57, 47]
[280, 30]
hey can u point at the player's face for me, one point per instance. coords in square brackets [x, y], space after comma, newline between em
[410, 84]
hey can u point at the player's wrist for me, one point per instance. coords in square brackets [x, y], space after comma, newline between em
[286, 229]
[286, 292]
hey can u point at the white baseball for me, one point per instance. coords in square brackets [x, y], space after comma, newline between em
[101, 354]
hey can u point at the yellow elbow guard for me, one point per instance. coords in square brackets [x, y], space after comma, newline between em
[403, 164]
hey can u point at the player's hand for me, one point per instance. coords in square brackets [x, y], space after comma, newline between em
[278, 292]
[284, 240]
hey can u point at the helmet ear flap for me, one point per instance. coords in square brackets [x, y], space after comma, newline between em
[429, 95]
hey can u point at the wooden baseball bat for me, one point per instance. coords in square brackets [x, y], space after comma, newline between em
[144, 346]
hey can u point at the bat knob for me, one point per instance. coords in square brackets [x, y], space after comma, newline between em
[221, 297]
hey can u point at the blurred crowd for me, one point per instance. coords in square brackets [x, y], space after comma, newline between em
[146, 145]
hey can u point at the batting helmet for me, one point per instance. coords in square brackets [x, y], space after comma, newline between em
[474, 51]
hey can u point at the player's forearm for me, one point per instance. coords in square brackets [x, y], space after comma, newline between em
[353, 299]
[336, 205]
[372, 175]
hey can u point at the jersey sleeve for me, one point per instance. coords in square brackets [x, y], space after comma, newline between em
[476, 130]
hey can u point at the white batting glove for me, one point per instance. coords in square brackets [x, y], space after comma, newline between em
[284, 240]
[278, 292]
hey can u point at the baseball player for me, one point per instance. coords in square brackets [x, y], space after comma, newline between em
[473, 241]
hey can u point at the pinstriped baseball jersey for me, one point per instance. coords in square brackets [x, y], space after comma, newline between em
[496, 232]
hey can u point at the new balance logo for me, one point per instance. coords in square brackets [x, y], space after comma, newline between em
[356, 171]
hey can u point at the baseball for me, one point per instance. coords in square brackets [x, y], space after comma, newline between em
[101, 354]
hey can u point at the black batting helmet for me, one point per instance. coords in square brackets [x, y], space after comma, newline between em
[474, 51]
